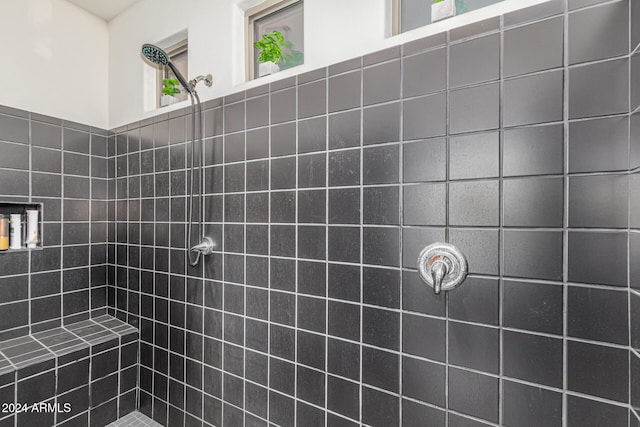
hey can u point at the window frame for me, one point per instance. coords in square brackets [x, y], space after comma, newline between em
[250, 17]
[175, 49]
[396, 16]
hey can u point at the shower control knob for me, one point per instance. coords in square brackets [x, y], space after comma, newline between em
[442, 266]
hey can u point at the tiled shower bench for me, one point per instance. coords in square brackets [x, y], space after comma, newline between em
[82, 374]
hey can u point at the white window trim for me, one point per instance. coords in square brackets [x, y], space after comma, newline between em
[251, 15]
[176, 48]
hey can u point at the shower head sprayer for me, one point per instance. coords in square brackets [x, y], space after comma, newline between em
[157, 56]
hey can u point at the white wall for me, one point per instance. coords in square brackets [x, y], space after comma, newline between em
[335, 30]
[54, 60]
[216, 44]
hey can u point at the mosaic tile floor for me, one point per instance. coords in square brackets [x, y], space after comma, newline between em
[134, 419]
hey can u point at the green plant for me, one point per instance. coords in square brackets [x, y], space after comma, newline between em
[169, 87]
[460, 6]
[271, 46]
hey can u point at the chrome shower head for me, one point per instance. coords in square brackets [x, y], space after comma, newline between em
[158, 56]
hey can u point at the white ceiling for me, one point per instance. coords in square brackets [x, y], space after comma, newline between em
[105, 9]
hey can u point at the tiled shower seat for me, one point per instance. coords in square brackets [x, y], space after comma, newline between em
[91, 365]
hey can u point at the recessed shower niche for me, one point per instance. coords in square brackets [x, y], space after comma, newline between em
[27, 233]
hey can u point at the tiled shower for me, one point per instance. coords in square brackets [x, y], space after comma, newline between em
[516, 138]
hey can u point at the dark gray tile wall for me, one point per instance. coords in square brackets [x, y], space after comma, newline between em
[323, 188]
[64, 166]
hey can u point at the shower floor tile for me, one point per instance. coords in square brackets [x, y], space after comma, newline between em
[134, 419]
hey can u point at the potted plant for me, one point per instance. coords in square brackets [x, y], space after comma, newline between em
[270, 47]
[169, 90]
[442, 9]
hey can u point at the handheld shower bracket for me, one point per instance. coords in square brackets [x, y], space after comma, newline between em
[208, 81]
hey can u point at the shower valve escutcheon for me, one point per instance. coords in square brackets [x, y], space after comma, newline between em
[442, 266]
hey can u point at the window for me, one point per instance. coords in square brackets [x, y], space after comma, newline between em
[411, 14]
[178, 54]
[286, 17]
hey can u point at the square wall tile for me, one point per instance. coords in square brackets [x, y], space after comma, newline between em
[379, 408]
[312, 99]
[425, 160]
[344, 129]
[480, 246]
[537, 307]
[381, 124]
[598, 370]
[533, 358]
[344, 91]
[473, 394]
[533, 254]
[523, 403]
[598, 257]
[373, 91]
[474, 61]
[424, 117]
[312, 135]
[474, 156]
[424, 381]
[381, 205]
[598, 201]
[533, 202]
[424, 336]
[598, 315]
[257, 111]
[344, 168]
[283, 139]
[599, 33]
[537, 150]
[479, 302]
[599, 89]
[424, 73]
[424, 204]
[599, 145]
[419, 298]
[475, 347]
[581, 412]
[474, 203]
[533, 99]
[283, 106]
[344, 244]
[474, 109]
[343, 397]
[344, 282]
[381, 246]
[344, 206]
[380, 165]
[534, 47]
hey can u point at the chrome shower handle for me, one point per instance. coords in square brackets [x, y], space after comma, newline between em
[438, 271]
[205, 247]
[442, 266]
